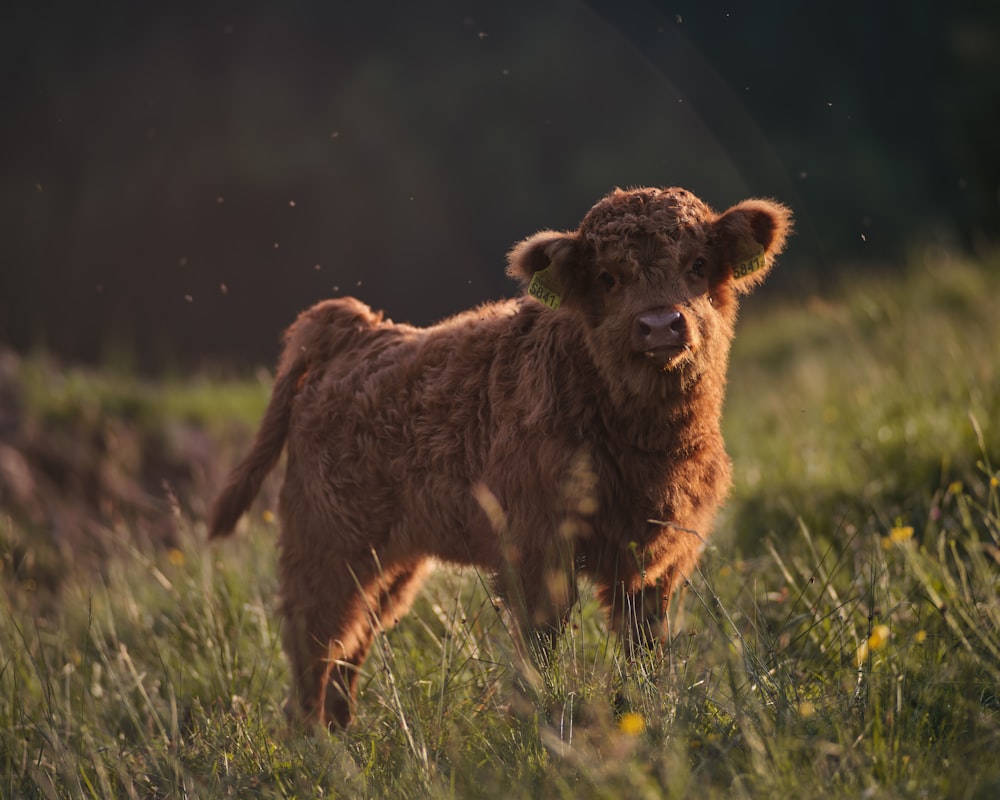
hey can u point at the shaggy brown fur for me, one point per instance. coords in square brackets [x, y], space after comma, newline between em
[536, 444]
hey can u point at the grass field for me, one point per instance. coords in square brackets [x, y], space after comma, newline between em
[842, 638]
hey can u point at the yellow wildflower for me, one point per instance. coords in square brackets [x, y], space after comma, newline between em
[632, 724]
[879, 637]
[267, 516]
[901, 533]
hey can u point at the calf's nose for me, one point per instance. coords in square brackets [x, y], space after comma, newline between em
[659, 329]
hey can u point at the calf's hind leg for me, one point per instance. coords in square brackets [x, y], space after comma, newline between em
[330, 628]
[324, 625]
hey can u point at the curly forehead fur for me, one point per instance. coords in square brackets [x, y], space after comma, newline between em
[662, 213]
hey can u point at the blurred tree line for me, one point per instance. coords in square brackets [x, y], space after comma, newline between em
[179, 180]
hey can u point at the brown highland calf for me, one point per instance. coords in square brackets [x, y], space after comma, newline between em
[574, 430]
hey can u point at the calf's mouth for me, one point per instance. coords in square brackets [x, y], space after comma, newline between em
[665, 357]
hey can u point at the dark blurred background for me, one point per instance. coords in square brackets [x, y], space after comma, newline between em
[179, 180]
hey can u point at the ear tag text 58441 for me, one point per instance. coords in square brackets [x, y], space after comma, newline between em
[541, 289]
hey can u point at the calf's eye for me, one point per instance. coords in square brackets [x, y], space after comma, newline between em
[698, 267]
[607, 280]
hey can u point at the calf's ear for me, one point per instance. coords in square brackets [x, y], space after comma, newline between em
[750, 235]
[544, 264]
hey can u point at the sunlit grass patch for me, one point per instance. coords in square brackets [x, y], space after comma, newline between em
[871, 397]
[165, 676]
[79, 395]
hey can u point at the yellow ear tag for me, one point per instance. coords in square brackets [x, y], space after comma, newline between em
[541, 289]
[751, 265]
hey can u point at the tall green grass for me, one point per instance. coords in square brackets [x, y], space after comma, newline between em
[841, 639]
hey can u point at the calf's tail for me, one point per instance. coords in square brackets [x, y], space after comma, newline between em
[245, 481]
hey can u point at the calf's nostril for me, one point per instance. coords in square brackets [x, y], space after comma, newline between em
[644, 329]
[678, 324]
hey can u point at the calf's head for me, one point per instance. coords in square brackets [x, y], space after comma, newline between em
[651, 276]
